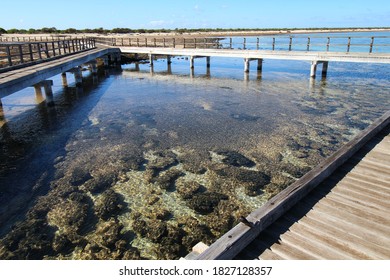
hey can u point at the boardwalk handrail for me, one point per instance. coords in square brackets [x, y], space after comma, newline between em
[14, 55]
[231, 243]
[365, 44]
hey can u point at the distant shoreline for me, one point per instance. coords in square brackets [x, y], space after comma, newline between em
[221, 33]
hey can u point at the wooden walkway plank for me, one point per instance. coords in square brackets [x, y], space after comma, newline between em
[346, 227]
[355, 239]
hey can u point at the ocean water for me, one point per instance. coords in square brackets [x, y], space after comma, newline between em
[145, 162]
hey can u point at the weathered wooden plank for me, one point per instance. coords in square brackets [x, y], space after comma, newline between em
[357, 239]
[363, 189]
[344, 226]
[240, 236]
[381, 184]
[329, 207]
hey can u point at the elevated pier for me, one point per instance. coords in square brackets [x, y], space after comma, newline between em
[357, 49]
[15, 80]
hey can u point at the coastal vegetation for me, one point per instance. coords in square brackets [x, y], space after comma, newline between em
[101, 30]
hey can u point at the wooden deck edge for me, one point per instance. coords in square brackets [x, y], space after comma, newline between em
[39, 61]
[235, 240]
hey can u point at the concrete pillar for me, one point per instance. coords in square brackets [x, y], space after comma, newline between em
[2, 118]
[47, 86]
[260, 65]
[118, 58]
[169, 61]
[38, 90]
[93, 65]
[313, 69]
[64, 80]
[324, 68]
[191, 62]
[208, 62]
[38, 94]
[152, 69]
[106, 61]
[246, 77]
[78, 76]
[246, 65]
[151, 58]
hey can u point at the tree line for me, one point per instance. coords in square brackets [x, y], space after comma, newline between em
[101, 30]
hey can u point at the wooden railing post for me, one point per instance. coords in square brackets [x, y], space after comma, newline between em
[231, 42]
[273, 43]
[257, 43]
[9, 56]
[371, 44]
[349, 44]
[54, 51]
[21, 54]
[290, 44]
[31, 52]
[308, 44]
[244, 44]
[328, 44]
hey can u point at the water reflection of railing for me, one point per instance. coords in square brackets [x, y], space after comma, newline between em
[13, 54]
[365, 44]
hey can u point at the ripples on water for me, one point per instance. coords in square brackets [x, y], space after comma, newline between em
[140, 165]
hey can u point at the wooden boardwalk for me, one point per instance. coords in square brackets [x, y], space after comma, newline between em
[14, 80]
[344, 216]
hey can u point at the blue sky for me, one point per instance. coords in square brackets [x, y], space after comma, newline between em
[82, 14]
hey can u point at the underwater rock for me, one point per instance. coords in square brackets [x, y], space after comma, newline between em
[139, 225]
[100, 183]
[194, 162]
[167, 180]
[109, 233]
[245, 117]
[235, 159]
[29, 240]
[133, 162]
[131, 254]
[79, 197]
[222, 220]
[169, 249]
[61, 244]
[108, 204]
[253, 190]
[150, 174]
[68, 215]
[156, 230]
[188, 189]
[295, 171]
[204, 203]
[153, 199]
[245, 176]
[195, 233]
[163, 160]
[161, 214]
[79, 176]
[153, 229]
